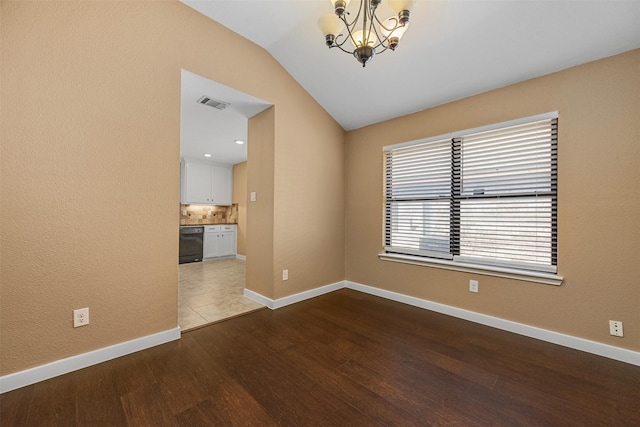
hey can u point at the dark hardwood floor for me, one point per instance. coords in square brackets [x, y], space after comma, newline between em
[342, 359]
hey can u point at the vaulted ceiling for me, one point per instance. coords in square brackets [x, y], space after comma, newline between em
[452, 49]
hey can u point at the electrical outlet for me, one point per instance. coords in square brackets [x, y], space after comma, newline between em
[252, 196]
[184, 212]
[615, 328]
[285, 274]
[80, 317]
[209, 213]
[473, 286]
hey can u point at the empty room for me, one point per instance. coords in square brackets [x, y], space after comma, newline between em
[435, 219]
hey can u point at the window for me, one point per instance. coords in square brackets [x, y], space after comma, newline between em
[484, 197]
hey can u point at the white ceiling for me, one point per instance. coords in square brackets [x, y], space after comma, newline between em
[205, 129]
[453, 48]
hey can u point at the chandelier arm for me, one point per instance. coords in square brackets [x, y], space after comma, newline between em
[349, 36]
[375, 31]
[372, 20]
[394, 27]
[350, 26]
[384, 47]
[385, 41]
[355, 19]
[339, 44]
[346, 37]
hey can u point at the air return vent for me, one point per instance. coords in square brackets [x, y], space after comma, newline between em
[215, 103]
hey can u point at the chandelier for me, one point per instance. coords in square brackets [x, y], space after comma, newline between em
[367, 34]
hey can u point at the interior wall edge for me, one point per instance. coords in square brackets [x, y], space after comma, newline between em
[274, 304]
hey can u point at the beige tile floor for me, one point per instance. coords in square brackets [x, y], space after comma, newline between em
[210, 291]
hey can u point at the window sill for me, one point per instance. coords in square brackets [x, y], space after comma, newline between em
[509, 273]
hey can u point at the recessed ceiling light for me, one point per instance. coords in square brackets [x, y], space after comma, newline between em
[207, 155]
[239, 141]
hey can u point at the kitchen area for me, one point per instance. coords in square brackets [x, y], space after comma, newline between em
[213, 201]
[208, 217]
[211, 271]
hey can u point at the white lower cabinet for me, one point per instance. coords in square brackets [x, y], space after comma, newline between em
[219, 240]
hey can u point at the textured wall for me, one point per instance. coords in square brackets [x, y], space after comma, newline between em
[90, 124]
[599, 203]
[240, 199]
[309, 183]
[260, 157]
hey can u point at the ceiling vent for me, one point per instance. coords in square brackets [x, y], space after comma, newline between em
[215, 103]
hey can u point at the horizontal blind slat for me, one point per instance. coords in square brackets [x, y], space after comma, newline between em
[487, 196]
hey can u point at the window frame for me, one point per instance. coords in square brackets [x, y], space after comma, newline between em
[454, 261]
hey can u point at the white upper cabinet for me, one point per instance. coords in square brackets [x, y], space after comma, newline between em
[205, 183]
[196, 182]
[221, 186]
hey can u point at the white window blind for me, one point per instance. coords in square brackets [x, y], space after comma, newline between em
[486, 197]
[418, 208]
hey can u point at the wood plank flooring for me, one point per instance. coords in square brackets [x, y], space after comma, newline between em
[342, 359]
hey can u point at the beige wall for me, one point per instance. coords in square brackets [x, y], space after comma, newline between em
[599, 203]
[240, 197]
[309, 183]
[90, 96]
[260, 155]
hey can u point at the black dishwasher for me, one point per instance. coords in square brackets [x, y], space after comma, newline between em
[191, 240]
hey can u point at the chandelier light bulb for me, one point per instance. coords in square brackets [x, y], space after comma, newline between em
[401, 8]
[362, 38]
[340, 6]
[400, 5]
[331, 26]
[393, 31]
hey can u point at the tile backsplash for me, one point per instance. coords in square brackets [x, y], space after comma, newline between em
[199, 214]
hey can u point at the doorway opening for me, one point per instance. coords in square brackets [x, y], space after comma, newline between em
[214, 163]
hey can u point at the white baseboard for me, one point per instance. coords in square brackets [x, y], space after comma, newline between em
[242, 257]
[570, 341]
[259, 298]
[292, 299]
[60, 367]
[74, 363]
[593, 347]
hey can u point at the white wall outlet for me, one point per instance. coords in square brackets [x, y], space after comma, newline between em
[80, 317]
[473, 286]
[615, 328]
[285, 274]
[209, 213]
[184, 212]
[253, 196]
